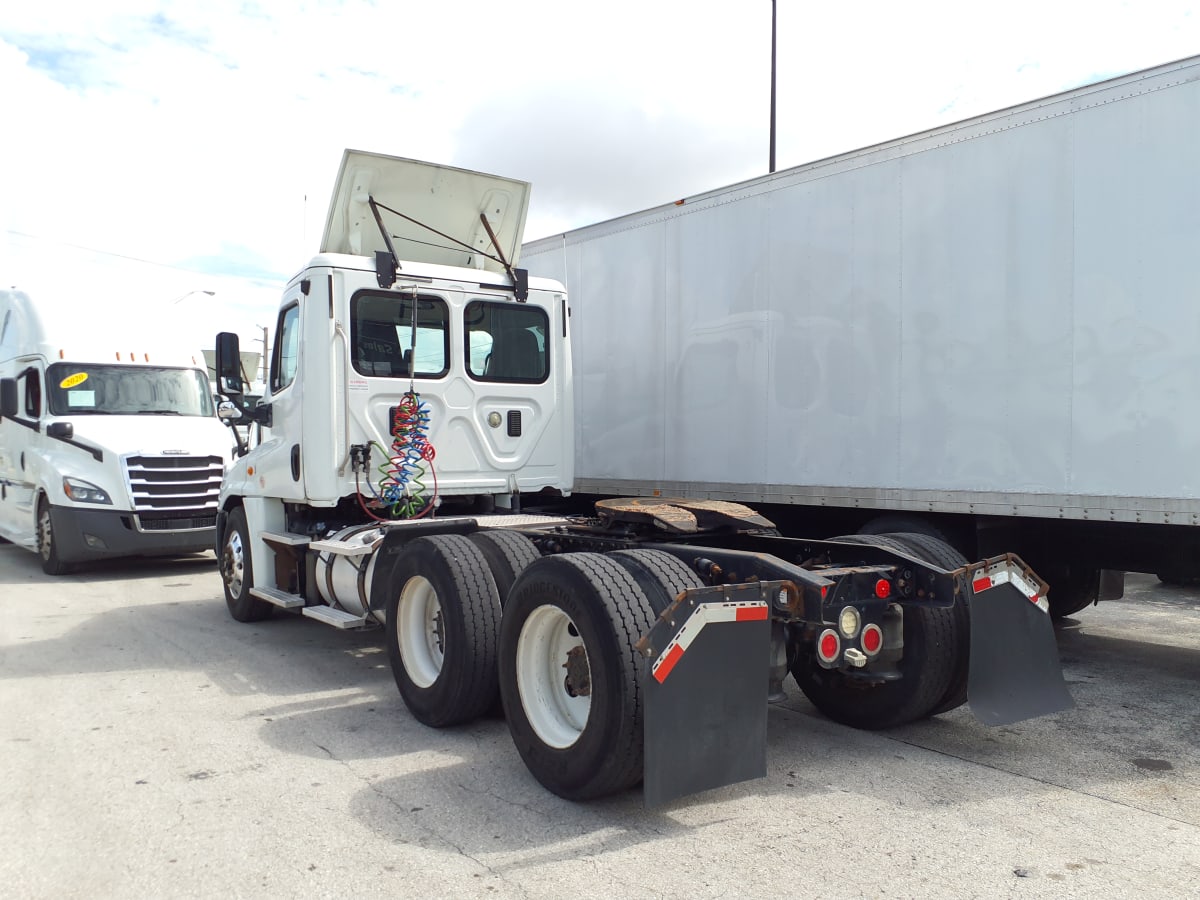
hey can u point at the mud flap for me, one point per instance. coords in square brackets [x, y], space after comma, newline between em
[705, 679]
[1014, 672]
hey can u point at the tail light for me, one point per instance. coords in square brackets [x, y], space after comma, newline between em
[829, 646]
[872, 639]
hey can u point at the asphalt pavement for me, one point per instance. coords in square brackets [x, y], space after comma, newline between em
[154, 747]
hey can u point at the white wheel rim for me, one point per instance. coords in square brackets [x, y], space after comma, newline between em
[547, 636]
[420, 631]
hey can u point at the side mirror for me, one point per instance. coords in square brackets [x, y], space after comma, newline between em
[228, 413]
[63, 430]
[229, 364]
[8, 398]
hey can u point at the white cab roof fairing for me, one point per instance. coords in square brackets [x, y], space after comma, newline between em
[441, 197]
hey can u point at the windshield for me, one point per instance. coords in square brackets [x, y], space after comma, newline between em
[127, 390]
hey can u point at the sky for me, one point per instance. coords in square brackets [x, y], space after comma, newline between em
[192, 146]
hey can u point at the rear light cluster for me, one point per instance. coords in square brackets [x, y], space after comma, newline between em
[849, 627]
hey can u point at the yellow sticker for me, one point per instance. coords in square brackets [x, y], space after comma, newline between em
[73, 380]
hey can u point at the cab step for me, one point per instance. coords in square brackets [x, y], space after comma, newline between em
[338, 618]
[285, 540]
[278, 597]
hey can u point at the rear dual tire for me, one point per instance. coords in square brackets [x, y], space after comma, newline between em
[933, 666]
[442, 627]
[569, 673]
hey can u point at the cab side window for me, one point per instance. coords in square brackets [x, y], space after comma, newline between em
[287, 348]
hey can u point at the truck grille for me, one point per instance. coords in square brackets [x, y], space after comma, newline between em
[174, 493]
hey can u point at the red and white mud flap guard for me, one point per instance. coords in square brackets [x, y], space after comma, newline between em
[705, 686]
[1014, 672]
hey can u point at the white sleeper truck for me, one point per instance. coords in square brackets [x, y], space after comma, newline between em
[420, 395]
[109, 441]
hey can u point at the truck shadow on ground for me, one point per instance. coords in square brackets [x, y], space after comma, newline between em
[25, 568]
[474, 798]
[283, 656]
[467, 790]
[1082, 650]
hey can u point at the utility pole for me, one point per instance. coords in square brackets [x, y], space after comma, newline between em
[265, 368]
[771, 164]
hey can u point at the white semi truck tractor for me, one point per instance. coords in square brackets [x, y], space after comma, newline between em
[419, 409]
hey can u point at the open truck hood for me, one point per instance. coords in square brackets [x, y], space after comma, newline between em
[441, 198]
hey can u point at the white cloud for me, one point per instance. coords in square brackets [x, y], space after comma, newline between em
[207, 136]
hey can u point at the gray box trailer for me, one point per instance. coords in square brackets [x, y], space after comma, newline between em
[989, 330]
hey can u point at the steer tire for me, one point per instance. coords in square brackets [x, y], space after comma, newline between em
[47, 542]
[578, 729]
[443, 621]
[941, 554]
[237, 572]
[931, 649]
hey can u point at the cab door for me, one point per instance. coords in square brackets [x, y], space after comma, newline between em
[278, 470]
[19, 437]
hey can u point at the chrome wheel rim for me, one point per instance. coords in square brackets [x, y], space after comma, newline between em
[45, 535]
[233, 564]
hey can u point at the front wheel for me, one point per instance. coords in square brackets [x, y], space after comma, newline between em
[237, 573]
[47, 542]
[569, 673]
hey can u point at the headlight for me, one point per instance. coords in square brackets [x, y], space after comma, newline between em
[84, 491]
